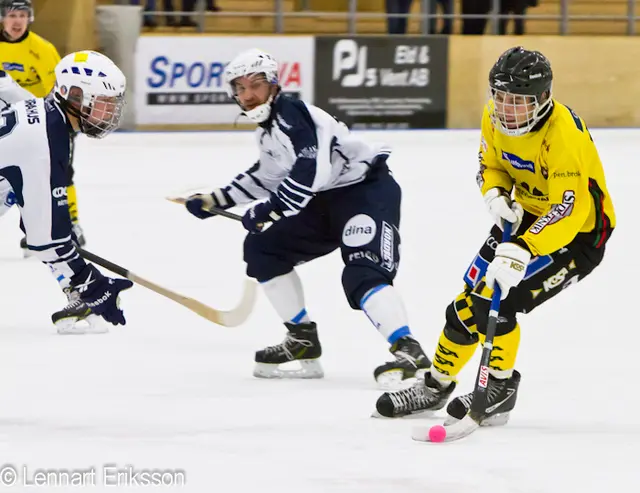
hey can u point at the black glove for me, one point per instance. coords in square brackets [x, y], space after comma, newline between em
[100, 293]
[198, 203]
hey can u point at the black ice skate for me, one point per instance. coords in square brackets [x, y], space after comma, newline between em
[302, 345]
[501, 399]
[77, 317]
[426, 395]
[410, 362]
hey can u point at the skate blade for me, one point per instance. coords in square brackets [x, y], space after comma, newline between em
[395, 380]
[499, 419]
[309, 369]
[426, 414]
[74, 326]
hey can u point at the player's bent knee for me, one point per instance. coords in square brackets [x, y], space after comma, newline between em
[262, 265]
[455, 331]
[358, 279]
[506, 321]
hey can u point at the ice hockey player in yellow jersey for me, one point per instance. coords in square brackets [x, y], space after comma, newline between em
[540, 170]
[30, 60]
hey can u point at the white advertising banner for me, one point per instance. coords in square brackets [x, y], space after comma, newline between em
[179, 78]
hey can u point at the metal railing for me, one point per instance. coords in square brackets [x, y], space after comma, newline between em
[427, 15]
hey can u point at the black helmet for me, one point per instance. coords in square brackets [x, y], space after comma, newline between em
[520, 85]
[9, 5]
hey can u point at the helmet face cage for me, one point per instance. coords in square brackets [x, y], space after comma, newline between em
[517, 114]
[101, 116]
[98, 115]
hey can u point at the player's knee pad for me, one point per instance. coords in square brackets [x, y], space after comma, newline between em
[357, 279]
[456, 331]
[456, 345]
[262, 260]
[506, 321]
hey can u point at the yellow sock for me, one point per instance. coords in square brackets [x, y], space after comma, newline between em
[451, 357]
[72, 199]
[505, 350]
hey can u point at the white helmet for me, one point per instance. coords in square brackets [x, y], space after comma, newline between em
[90, 87]
[253, 61]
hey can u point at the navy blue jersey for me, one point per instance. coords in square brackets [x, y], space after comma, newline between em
[303, 151]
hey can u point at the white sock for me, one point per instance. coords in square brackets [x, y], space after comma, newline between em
[63, 281]
[384, 307]
[286, 296]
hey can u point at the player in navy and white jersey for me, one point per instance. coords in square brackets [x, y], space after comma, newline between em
[321, 189]
[35, 138]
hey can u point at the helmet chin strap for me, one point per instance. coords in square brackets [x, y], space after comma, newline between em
[261, 112]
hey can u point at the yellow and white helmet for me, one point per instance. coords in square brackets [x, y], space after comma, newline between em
[90, 87]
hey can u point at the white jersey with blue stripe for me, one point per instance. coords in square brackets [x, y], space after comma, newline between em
[303, 151]
[34, 159]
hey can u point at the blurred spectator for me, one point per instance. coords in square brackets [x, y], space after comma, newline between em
[475, 25]
[150, 6]
[167, 6]
[190, 6]
[398, 25]
[447, 9]
[517, 7]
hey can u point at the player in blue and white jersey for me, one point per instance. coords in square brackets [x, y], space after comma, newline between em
[321, 188]
[35, 138]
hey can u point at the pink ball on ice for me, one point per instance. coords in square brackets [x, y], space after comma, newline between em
[437, 433]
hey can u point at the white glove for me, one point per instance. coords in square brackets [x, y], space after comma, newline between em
[501, 207]
[508, 267]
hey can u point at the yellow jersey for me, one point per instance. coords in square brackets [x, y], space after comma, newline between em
[30, 60]
[557, 175]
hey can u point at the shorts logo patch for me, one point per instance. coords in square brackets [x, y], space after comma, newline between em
[359, 231]
[386, 247]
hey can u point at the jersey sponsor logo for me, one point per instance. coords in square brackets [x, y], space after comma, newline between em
[283, 123]
[386, 247]
[491, 242]
[364, 255]
[558, 278]
[359, 231]
[16, 67]
[59, 192]
[556, 175]
[518, 163]
[557, 212]
[310, 152]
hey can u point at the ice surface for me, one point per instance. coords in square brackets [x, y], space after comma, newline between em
[171, 390]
